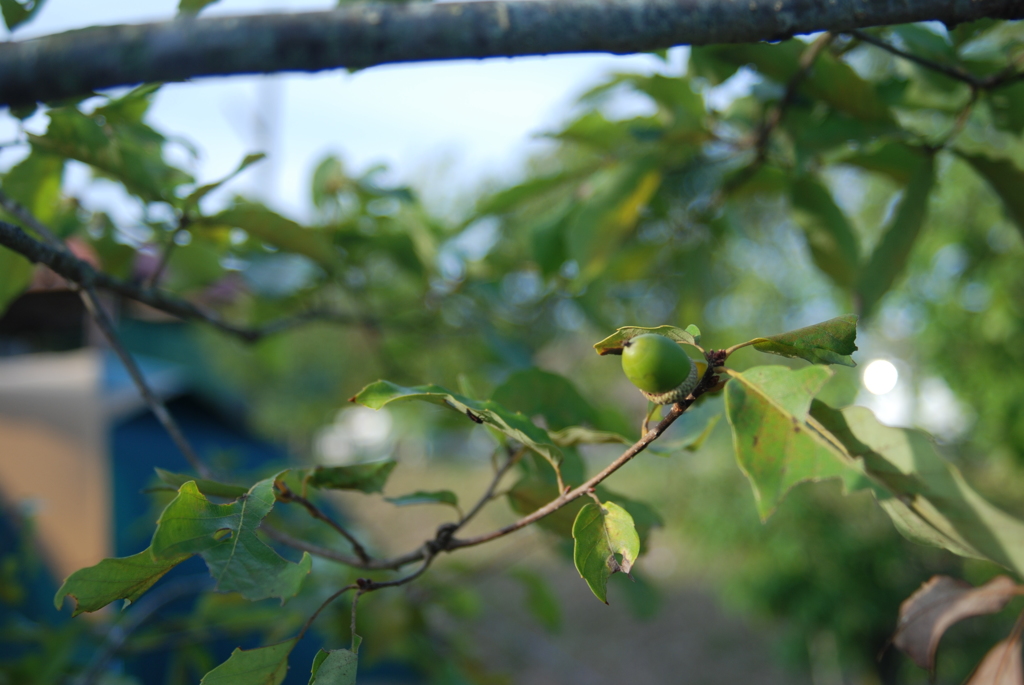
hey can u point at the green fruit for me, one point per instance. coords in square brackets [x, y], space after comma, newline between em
[657, 365]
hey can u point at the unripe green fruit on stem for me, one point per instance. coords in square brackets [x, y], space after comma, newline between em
[659, 367]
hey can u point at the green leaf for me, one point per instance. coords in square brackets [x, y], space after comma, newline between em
[898, 161]
[18, 12]
[926, 497]
[260, 666]
[541, 601]
[112, 579]
[17, 274]
[366, 478]
[692, 442]
[614, 342]
[600, 225]
[1007, 105]
[533, 391]
[1006, 179]
[336, 667]
[115, 142]
[202, 191]
[426, 497]
[767, 408]
[533, 491]
[645, 517]
[890, 256]
[34, 183]
[828, 342]
[511, 198]
[272, 228]
[207, 487]
[196, 265]
[513, 425]
[829, 79]
[694, 333]
[225, 534]
[830, 237]
[193, 6]
[579, 435]
[600, 533]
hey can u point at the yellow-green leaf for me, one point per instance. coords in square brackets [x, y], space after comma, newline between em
[605, 542]
[260, 666]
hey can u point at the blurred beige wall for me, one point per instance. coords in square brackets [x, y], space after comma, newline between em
[53, 453]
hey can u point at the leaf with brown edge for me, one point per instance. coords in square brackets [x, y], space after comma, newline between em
[368, 478]
[126, 578]
[600, 532]
[939, 603]
[1002, 665]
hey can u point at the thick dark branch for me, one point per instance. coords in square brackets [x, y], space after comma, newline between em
[78, 271]
[359, 36]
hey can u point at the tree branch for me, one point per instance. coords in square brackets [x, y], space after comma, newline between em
[340, 557]
[774, 117]
[363, 35]
[90, 298]
[286, 495]
[155, 404]
[488, 495]
[445, 541]
[323, 605]
[79, 271]
[570, 495]
[996, 80]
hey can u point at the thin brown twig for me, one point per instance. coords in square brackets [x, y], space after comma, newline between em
[285, 494]
[165, 255]
[445, 541]
[368, 585]
[773, 117]
[488, 495]
[326, 602]
[76, 270]
[340, 557]
[92, 302]
[677, 410]
[352, 629]
[997, 80]
[961, 119]
[22, 214]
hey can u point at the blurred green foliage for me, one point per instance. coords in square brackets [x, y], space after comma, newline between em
[883, 187]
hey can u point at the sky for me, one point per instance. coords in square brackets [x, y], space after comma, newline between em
[447, 128]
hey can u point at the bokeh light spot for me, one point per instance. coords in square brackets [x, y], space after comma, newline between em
[880, 376]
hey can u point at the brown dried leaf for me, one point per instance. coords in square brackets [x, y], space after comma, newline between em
[1001, 666]
[938, 604]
